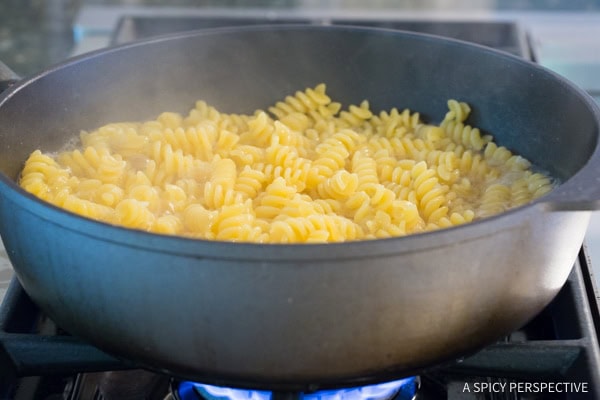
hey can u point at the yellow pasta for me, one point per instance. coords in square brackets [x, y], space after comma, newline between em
[304, 170]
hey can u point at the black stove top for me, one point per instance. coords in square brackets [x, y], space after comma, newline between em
[554, 356]
[505, 36]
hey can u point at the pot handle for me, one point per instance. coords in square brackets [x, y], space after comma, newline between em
[581, 192]
[8, 77]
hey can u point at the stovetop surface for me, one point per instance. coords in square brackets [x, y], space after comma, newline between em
[505, 36]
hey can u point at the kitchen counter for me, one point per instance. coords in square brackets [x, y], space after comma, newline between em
[36, 34]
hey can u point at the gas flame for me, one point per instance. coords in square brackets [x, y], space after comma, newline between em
[403, 389]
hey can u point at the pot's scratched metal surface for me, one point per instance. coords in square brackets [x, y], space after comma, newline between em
[6, 271]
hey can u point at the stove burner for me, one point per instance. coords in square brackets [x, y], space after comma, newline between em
[403, 389]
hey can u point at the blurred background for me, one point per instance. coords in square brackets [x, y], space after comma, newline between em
[37, 33]
[564, 34]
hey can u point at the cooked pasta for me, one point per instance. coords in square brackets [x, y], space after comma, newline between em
[305, 170]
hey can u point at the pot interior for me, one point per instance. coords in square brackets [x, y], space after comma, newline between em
[526, 108]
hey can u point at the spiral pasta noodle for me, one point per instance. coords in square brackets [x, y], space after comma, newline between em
[304, 170]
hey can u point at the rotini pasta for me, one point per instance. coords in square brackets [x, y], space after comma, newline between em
[302, 171]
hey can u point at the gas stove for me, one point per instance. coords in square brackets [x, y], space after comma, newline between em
[554, 356]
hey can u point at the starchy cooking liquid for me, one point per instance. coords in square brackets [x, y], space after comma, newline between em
[303, 171]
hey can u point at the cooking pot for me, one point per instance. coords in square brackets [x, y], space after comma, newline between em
[305, 315]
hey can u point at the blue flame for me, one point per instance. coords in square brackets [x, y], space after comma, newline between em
[403, 389]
